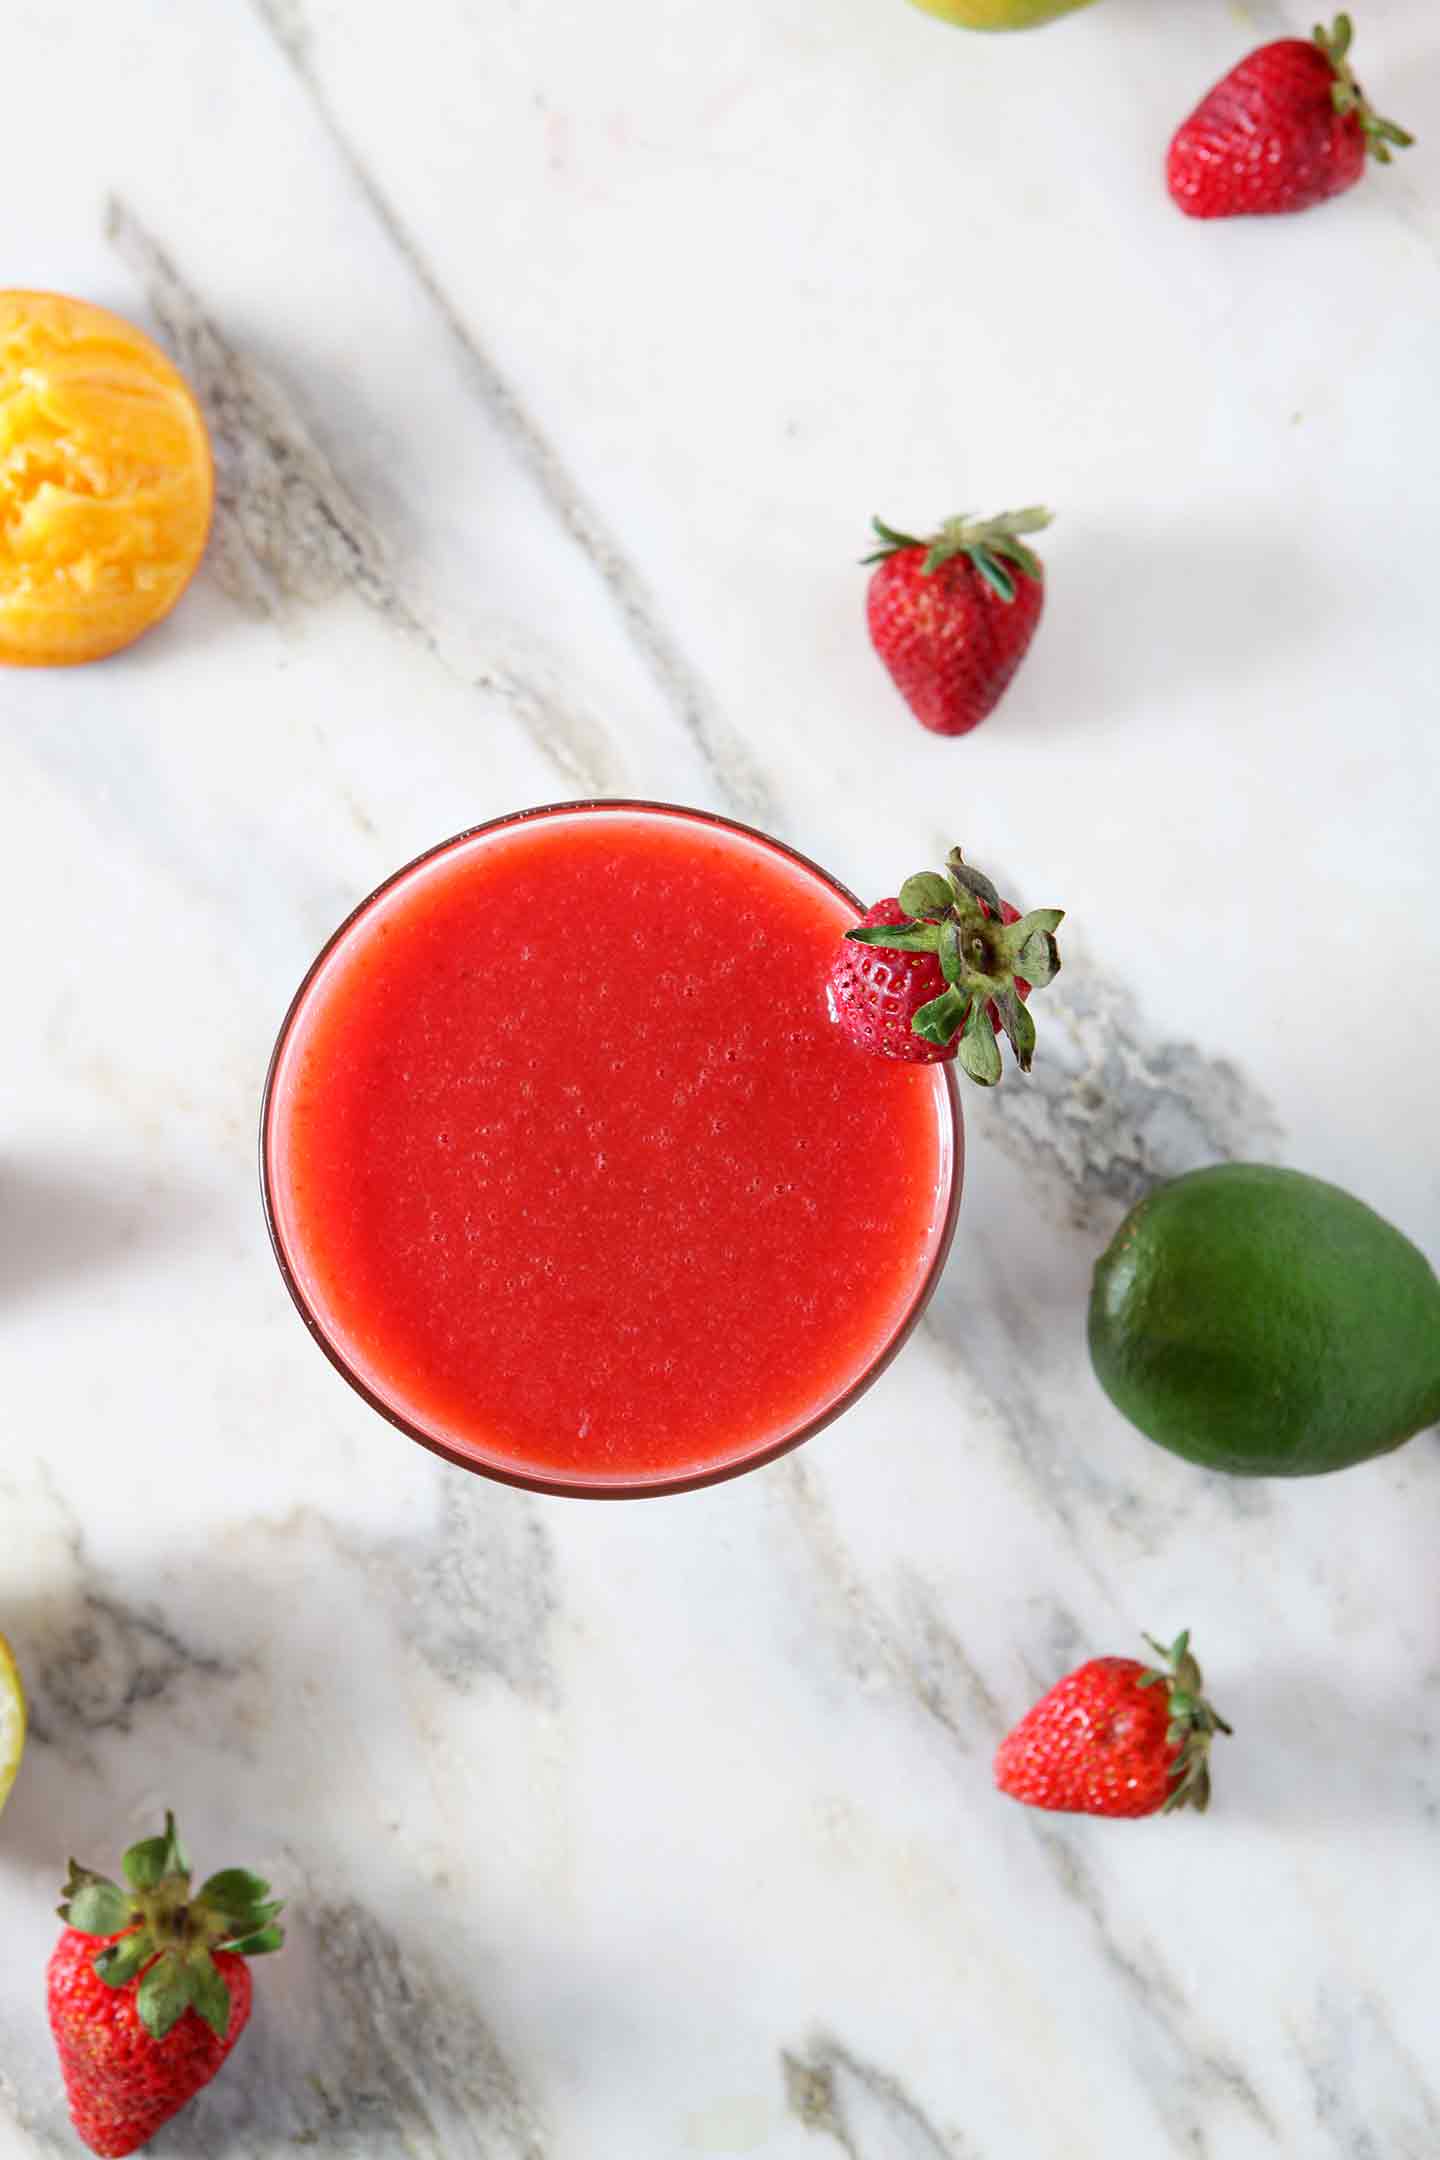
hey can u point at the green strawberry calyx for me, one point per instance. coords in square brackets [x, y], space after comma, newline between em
[959, 917]
[1193, 1722]
[167, 1934]
[994, 545]
[1347, 96]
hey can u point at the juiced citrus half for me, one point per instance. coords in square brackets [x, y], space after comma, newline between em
[106, 485]
[12, 1720]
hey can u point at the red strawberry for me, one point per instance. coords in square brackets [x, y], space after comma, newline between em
[1287, 128]
[953, 616]
[148, 1989]
[875, 994]
[935, 974]
[1116, 1738]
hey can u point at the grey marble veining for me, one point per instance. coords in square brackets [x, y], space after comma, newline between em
[287, 528]
[98, 1660]
[474, 1595]
[731, 767]
[386, 2050]
[1112, 1110]
[1195, 2082]
[900, 1641]
[862, 2109]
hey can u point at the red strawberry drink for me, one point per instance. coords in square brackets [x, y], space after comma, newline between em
[570, 1170]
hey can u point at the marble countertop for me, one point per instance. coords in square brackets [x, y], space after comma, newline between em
[556, 359]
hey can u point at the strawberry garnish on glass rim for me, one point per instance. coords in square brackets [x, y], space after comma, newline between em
[986, 960]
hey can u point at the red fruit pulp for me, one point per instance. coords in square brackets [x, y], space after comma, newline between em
[570, 1168]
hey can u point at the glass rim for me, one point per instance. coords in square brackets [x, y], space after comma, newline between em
[539, 1481]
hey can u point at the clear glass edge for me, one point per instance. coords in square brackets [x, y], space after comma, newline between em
[503, 1472]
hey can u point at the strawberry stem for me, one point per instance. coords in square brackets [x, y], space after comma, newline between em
[993, 545]
[1194, 1722]
[1347, 96]
[961, 919]
[167, 1932]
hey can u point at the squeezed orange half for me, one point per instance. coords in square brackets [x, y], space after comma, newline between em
[106, 482]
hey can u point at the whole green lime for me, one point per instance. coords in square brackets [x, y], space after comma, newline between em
[1263, 1322]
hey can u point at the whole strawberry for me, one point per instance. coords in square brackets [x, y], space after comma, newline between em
[952, 617]
[938, 972]
[1288, 128]
[148, 1989]
[1116, 1738]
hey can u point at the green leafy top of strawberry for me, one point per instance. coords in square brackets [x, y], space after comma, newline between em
[1347, 96]
[1193, 1722]
[993, 545]
[167, 1934]
[960, 918]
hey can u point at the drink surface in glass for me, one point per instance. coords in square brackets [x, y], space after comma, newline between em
[569, 1170]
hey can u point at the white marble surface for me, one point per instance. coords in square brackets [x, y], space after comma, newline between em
[557, 358]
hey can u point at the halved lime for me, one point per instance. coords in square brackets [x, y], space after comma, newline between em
[12, 1719]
